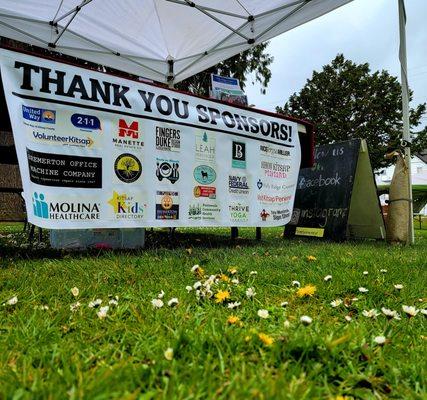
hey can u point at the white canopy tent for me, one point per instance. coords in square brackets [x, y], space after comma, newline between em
[169, 40]
[163, 40]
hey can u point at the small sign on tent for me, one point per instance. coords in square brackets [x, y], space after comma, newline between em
[337, 197]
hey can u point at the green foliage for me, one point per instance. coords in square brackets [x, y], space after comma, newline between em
[254, 60]
[345, 100]
[60, 354]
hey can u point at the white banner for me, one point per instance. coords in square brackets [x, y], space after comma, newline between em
[96, 150]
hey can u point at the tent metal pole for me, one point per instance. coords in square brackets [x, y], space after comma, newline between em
[405, 113]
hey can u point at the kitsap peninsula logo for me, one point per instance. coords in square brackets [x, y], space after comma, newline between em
[126, 207]
[65, 210]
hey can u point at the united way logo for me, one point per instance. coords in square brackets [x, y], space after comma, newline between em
[39, 115]
[239, 155]
[40, 206]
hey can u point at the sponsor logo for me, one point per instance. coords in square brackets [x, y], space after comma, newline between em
[64, 171]
[239, 155]
[238, 184]
[205, 191]
[205, 147]
[273, 151]
[68, 140]
[195, 211]
[126, 207]
[275, 169]
[168, 139]
[205, 211]
[265, 198]
[204, 174]
[128, 135]
[264, 215]
[39, 115]
[65, 210]
[86, 122]
[127, 168]
[239, 212]
[167, 206]
[259, 184]
[279, 215]
[167, 169]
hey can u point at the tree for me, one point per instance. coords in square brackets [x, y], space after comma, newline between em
[345, 100]
[254, 60]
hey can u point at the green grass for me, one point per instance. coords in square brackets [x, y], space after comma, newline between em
[59, 354]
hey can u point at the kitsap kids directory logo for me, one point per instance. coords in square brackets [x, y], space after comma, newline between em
[38, 115]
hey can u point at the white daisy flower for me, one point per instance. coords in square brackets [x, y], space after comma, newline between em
[102, 313]
[306, 320]
[363, 290]
[424, 311]
[74, 306]
[113, 302]
[365, 272]
[410, 311]
[235, 281]
[233, 305]
[370, 313]
[94, 304]
[336, 303]
[189, 288]
[161, 295]
[398, 286]
[157, 303]
[250, 292]
[42, 307]
[263, 314]
[327, 278]
[75, 291]
[390, 313]
[168, 354]
[286, 324]
[12, 301]
[284, 304]
[348, 318]
[173, 302]
[384, 271]
[380, 340]
[296, 283]
[197, 285]
[195, 267]
[253, 273]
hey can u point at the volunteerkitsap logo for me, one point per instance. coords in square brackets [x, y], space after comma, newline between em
[127, 168]
[39, 115]
[204, 174]
[62, 140]
[86, 122]
[167, 169]
[239, 155]
[128, 134]
[64, 210]
[127, 207]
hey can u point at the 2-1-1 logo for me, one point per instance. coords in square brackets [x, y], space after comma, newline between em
[87, 122]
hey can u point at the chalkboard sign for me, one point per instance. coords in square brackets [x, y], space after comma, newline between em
[334, 196]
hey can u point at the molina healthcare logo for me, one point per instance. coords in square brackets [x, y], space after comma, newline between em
[38, 115]
[65, 210]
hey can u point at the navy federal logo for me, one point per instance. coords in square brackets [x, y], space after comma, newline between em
[127, 168]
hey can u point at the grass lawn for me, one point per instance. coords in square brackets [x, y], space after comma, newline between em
[57, 353]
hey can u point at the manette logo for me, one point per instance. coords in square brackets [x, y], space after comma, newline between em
[128, 129]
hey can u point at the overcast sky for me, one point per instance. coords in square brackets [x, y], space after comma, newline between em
[364, 31]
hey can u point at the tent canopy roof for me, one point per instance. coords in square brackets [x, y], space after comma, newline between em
[163, 40]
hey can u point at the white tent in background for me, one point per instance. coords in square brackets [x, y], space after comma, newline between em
[164, 40]
[170, 40]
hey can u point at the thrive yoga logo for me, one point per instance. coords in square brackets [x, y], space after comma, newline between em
[40, 206]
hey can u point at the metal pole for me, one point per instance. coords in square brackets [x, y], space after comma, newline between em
[405, 112]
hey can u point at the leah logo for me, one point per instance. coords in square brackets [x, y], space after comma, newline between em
[63, 210]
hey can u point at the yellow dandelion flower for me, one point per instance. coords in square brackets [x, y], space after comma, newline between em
[311, 258]
[224, 278]
[232, 319]
[306, 291]
[221, 296]
[267, 340]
